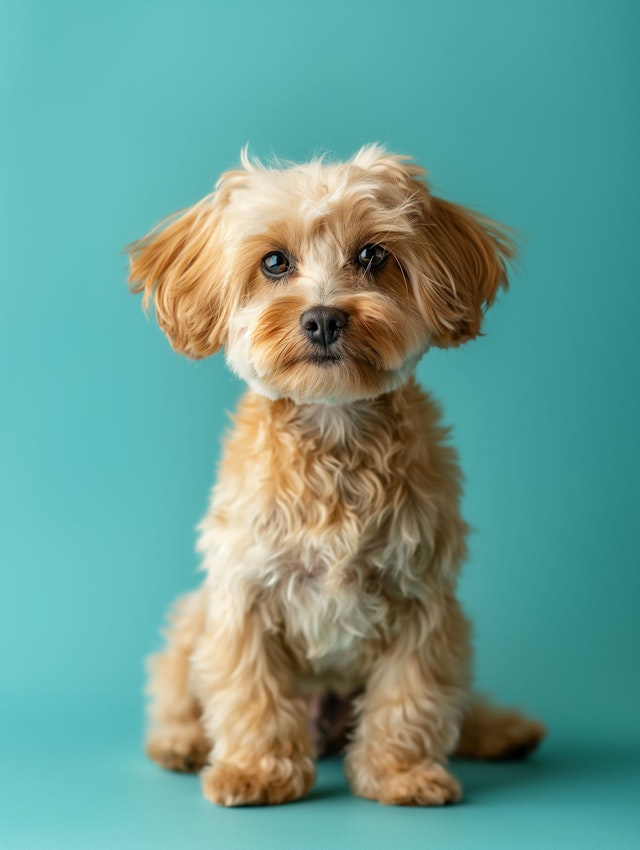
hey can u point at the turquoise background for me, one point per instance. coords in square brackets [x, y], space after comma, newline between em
[114, 115]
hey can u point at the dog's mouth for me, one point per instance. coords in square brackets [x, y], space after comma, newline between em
[324, 359]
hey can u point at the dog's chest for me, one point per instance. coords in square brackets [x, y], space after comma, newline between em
[334, 520]
[330, 625]
[342, 558]
[330, 517]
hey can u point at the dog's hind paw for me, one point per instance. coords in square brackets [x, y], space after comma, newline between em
[178, 746]
[498, 734]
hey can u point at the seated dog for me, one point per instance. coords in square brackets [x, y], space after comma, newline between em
[333, 541]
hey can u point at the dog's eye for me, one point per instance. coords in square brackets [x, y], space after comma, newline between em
[372, 257]
[275, 264]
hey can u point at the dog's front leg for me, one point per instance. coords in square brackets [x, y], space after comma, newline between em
[410, 714]
[262, 751]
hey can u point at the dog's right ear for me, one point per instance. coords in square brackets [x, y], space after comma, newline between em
[180, 266]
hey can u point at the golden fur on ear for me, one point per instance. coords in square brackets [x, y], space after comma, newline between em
[456, 259]
[180, 265]
[463, 260]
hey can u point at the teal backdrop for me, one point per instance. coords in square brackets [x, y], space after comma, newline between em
[115, 114]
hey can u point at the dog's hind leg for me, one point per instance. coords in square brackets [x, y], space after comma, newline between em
[489, 732]
[175, 737]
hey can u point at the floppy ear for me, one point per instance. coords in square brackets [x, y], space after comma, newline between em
[456, 259]
[180, 266]
[463, 258]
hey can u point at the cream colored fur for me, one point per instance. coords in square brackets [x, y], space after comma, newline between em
[333, 540]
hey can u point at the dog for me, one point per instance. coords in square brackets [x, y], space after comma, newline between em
[334, 539]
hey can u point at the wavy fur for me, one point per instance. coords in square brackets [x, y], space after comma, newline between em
[333, 540]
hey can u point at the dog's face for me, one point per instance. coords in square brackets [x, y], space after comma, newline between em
[325, 283]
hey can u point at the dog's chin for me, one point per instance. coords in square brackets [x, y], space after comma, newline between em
[327, 361]
[331, 380]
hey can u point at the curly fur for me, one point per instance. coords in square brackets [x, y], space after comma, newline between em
[333, 540]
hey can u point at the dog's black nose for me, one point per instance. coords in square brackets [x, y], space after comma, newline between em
[322, 325]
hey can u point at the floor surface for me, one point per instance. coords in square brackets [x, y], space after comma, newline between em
[105, 795]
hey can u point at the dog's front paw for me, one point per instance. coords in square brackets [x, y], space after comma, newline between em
[270, 780]
[425, 784]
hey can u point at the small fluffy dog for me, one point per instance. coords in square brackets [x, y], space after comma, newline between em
[334, 539]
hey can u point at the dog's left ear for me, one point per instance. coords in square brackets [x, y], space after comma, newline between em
[462, 264]
[456, 259]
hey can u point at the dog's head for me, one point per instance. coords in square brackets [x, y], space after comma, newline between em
[324, 282]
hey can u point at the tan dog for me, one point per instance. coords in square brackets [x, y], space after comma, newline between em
[334, 538]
